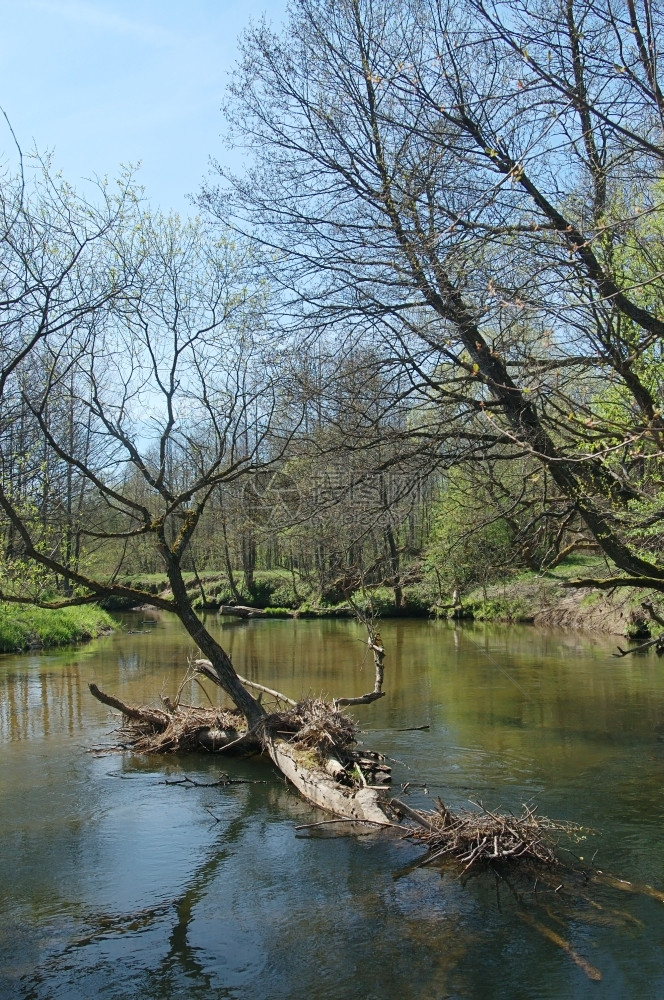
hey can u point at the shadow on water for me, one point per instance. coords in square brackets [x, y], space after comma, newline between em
[102, 939]
[115, 883]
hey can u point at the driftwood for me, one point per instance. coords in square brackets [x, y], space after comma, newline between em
[314, 746]
[477, 835]
[324, 791]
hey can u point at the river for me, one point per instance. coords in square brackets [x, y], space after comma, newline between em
[120, 879]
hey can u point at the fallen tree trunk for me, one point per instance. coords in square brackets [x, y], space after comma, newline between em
[186, 728]
[241, 611]
[326, 792]
[314, 746]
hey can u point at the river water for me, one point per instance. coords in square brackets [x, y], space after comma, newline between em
[120, 879]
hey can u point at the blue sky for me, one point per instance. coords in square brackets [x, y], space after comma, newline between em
[106, 82]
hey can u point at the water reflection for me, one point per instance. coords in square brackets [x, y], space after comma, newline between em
[114, 882]
[35, 703]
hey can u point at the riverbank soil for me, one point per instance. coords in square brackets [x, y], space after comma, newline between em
[550, 600]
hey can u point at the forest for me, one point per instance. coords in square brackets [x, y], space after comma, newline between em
[415, 344]
[403, 358]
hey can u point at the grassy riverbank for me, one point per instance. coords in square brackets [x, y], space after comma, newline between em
[24, 627]
[278, 593]
[539, 598]
[547, 600]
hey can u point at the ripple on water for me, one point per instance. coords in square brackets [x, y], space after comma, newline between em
[115, 884]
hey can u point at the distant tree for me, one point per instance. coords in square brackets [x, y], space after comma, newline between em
[430, 180]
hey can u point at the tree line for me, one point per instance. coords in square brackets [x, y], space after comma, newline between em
[427, 314]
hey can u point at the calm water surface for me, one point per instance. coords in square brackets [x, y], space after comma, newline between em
[118, 882]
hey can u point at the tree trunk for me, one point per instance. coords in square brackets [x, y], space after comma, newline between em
[229, 566]
[218, 657]
[321, 789]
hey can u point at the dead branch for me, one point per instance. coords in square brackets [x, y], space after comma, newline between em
[421, 818]
[185, 728]
[364, 699]
[205, 667]
[222, 782]
[658, 642]
[650, 608]
[375, 644]
[153, 716]
[354, 822]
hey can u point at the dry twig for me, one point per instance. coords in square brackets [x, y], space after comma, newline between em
[471, 836]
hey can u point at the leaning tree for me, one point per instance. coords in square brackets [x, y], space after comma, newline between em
[139, 380]
[137, 359]
[471, 189]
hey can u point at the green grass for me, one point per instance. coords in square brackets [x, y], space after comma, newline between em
[518, 597]
[525, 595]
[22, 626]
[504, 609]
[274, 589]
